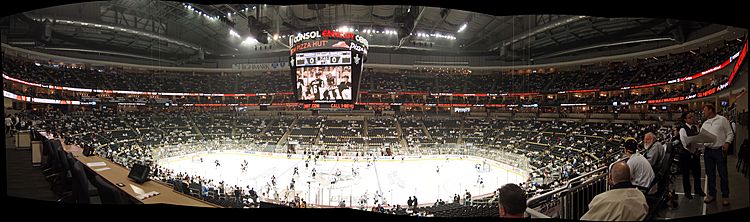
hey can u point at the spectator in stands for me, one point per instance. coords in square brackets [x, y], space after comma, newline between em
[512, 200]
[689, 155]
[655, 153]
[653, 150]
[640, 168]
[8, 124]
[622, 203]
[253, 195]
[715, 153]
[16, 122]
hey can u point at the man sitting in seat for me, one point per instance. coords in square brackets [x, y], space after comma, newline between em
[653, 150]
[253, 195]
[624, 202]
[640, 169]
[512, 200]
[656, 154]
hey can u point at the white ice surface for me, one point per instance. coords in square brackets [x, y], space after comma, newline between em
[395, 179]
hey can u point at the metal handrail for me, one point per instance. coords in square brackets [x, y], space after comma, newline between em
[535, 214]
[563, 188]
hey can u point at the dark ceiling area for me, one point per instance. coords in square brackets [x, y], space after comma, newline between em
[188, 32]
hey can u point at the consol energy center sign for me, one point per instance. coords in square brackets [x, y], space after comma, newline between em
[315, 39]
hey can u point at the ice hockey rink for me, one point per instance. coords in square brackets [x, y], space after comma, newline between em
[394, 178]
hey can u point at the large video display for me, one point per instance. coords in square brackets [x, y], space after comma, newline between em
[326, 67]
[324, 83]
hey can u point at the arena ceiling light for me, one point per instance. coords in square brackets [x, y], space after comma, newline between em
[463, 27]
[205, 15]
[249, 41]
[345, 29]
[234, 33]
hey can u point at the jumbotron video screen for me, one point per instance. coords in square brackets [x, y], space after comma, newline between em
[326, 66]
[324, 83]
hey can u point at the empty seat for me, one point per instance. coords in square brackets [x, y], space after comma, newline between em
[107, 193]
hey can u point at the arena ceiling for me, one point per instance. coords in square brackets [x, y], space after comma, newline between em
[183, 32]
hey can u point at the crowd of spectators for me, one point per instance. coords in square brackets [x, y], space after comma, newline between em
[612, 75]
[606, 76]
[555, 151]
[45, 72]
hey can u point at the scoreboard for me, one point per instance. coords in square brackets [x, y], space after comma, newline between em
[326, 67]
[323, 58]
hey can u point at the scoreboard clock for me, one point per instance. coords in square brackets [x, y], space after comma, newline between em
[324, 58]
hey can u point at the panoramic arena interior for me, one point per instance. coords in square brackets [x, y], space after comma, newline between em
[390, 111]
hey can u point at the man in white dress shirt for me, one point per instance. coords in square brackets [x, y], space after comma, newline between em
[640, 168]
[715, 153]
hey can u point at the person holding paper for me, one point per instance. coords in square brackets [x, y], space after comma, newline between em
[715, 153]
[690, 163]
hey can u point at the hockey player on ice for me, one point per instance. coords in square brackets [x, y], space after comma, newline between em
[364, 198]
[377, 197]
